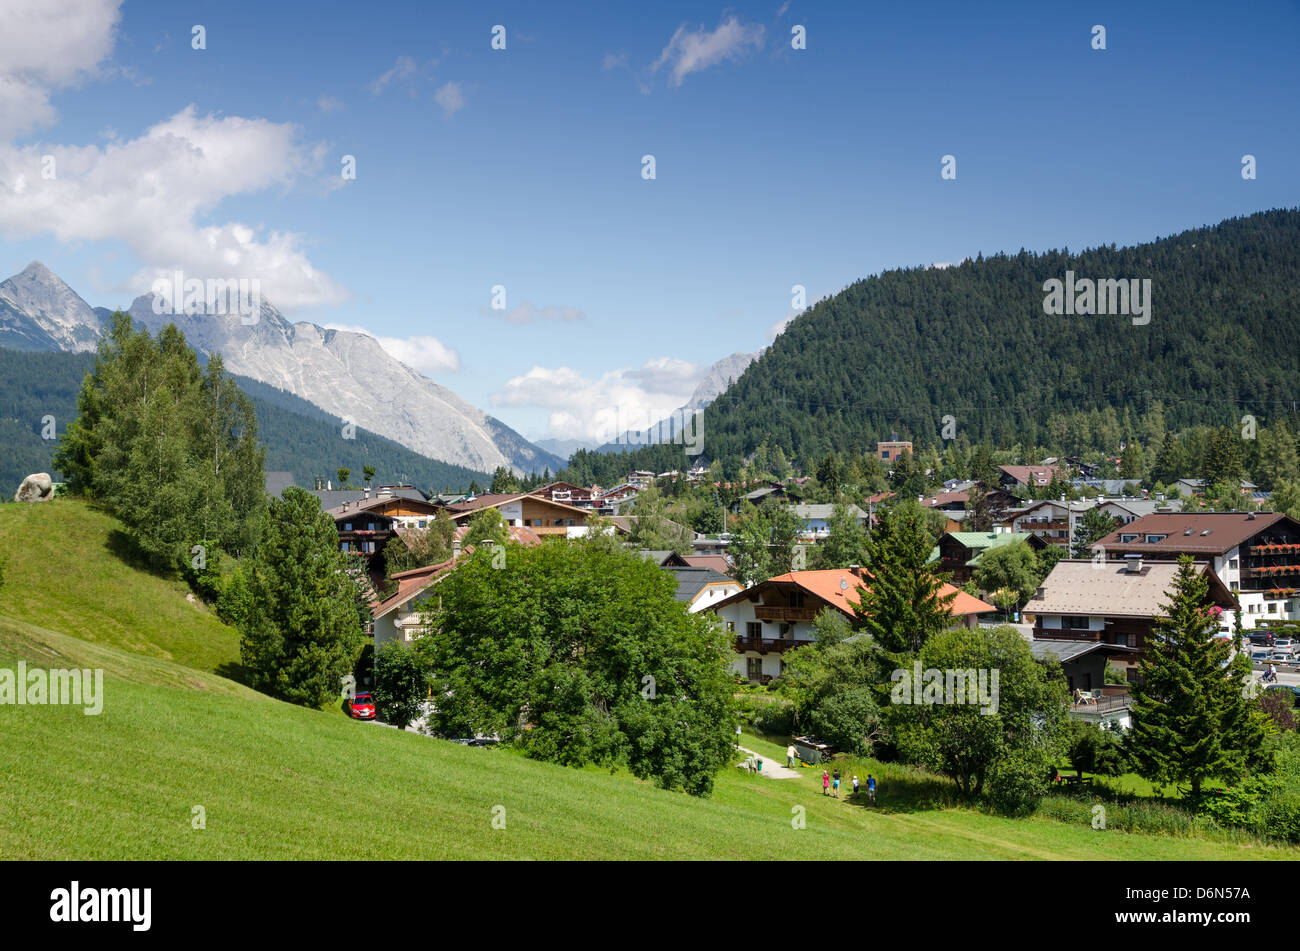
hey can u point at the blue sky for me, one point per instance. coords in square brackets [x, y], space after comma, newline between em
[522, 167]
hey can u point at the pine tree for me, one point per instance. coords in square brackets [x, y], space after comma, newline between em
[302, 634]
[901, 608]
[1189, 720]
[1092, 525]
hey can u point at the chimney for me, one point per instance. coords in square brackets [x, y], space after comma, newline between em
[367, 492]
[1133, 564]
[1040, 592]
[455, 550]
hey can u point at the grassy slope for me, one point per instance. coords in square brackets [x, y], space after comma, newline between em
[279, 781]
[61, 573]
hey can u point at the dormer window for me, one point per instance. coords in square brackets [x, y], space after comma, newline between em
[1152, 539]
[1125, 539]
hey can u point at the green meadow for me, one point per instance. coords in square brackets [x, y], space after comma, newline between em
[178, 742]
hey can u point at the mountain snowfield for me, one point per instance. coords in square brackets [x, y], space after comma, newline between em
[347, 374]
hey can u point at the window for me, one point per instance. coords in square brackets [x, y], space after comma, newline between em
[796, 599]
[1232, 564]
[347, 526]
[754, 629]
[731, 627]
[1076, 623]
[754, 668]
[1152, 539]
[559, 523]
[1121, 640]
[1125, 539]
[1233, 585]
[884, 454]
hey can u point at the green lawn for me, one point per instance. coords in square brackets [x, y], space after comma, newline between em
[279, 781]
[63, 571]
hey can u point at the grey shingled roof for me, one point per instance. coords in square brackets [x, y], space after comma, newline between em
[690, 581]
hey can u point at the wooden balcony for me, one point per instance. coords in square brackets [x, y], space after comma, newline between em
[766, 645]
[776, 612]
[1064, 634]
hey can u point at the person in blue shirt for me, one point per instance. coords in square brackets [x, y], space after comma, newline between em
[871, 787]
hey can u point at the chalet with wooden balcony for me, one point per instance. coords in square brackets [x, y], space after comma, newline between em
[365, 525]
[1254, 553]
[1114, 604]
[958, 553]
[1055, 521]
[776, 615]
[542, 515]
[566, 493]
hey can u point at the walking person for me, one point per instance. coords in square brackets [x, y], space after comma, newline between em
[871, 787]
[856, 785]
[836, 783]
[790, 754]
[826, 783]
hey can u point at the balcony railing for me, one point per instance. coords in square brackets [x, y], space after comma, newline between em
[1104, 705]
[777, 612]
[766, 645]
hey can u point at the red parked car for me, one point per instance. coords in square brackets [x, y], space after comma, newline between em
[360, 707]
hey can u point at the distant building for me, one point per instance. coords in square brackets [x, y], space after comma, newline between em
[1031, 477]
[958, 553]
[889, 451]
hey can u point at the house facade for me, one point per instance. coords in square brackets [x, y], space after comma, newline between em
[777, 615]
[1114, 603]
[542, 515]
[1256, 554]
[958, 553]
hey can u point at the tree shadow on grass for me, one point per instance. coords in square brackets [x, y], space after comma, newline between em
[899, 789]
[124, 548]
[233, 671]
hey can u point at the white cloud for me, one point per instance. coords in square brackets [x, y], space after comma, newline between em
[779, 327]
[527, 312]
[404, 68]
[148, 193]
[329, 105]
[689, 52]
[600, 409]
[451, 96]
[421, 352]
[613, 60]
[46, 46]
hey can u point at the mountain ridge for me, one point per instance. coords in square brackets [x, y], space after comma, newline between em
[346, 374]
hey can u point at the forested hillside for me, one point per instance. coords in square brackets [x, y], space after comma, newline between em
[898, 352]
[299, 437]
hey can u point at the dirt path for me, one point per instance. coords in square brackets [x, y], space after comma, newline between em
[771, 768]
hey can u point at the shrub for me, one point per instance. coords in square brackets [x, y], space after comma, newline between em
[1018, 781]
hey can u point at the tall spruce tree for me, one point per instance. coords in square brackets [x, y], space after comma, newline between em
[1192, 721]
[302, 634]
[902, 607]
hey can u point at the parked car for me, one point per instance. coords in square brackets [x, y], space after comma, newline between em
[1261, 638]
[360, 707]
[1285, 645]
[1261, 655]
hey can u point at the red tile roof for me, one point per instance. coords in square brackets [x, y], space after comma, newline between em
[839, 587]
